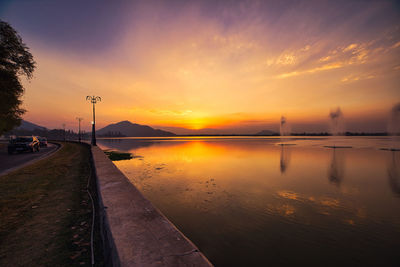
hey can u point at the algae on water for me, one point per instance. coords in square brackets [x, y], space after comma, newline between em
[116, 155]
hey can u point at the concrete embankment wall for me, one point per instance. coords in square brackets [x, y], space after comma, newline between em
[134, 232]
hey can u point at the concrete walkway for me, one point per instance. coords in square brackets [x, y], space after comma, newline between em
[136, 232]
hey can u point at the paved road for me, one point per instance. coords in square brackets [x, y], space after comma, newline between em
[12, 162]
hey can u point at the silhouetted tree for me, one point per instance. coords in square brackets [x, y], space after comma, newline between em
[15, 61]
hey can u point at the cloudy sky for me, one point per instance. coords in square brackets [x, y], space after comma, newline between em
[234, 66]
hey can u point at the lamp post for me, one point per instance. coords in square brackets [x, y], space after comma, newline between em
[64, 130]
[93, 100]
[79, 129]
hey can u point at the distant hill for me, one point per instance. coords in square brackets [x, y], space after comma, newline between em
[29, 126]
[267, 132]
[129, 129]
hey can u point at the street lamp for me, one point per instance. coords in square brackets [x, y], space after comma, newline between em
[79, 129]
[64, 130]
[93, 100]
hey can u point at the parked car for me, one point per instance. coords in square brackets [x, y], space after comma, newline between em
[23, 143]
[42, 141]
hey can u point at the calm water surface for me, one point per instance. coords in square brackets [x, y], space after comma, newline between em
[256, 202]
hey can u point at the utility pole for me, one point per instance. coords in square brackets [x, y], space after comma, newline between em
[79, 129]
[64, 130]
[93, 100]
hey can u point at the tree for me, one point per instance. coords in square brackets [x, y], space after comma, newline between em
[15, 61]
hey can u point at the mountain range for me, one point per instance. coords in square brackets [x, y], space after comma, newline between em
[29, 126]
[267, 132]
[129, 129]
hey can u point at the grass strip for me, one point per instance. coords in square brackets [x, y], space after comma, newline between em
[45, 212]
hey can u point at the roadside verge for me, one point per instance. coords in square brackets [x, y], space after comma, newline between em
[45, 211]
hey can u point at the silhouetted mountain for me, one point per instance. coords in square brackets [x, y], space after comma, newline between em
[29, 126]
[267, 132]
[127, 128]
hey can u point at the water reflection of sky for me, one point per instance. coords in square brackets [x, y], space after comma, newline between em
[254, 201]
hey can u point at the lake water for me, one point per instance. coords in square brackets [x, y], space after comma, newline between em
[272, 201]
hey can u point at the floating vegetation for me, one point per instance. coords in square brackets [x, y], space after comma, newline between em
[285, 144]
[390, 149]
[334, 147]
[116, 155]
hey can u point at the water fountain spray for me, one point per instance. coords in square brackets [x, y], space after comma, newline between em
[284, 127]
[394, 128]
[337, 121]
[337, 125]
[394, 120]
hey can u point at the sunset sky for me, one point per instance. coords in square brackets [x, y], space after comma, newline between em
[234, 66]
